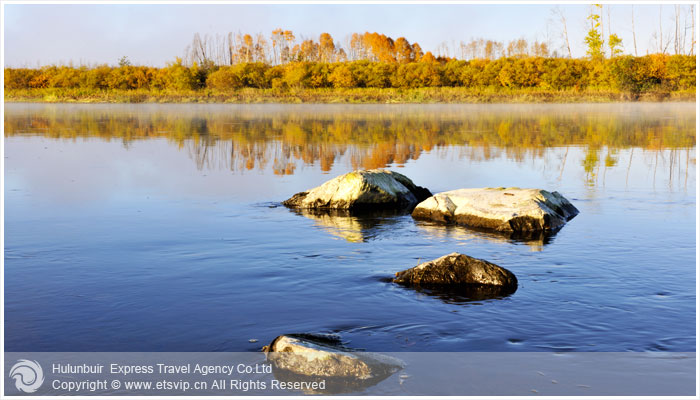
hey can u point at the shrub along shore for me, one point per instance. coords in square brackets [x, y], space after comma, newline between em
[331, 96]
[655, 77]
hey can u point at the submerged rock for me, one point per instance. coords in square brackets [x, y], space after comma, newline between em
[499, 209]
[323, 358]
[457, 269]
[362, 189]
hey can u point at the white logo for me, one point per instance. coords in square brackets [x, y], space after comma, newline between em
[28, 375]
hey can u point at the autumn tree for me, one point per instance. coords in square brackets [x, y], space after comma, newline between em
[224, 78]
[615, 45]
[341, 77]
[307, 51]
[403, 50]
[260, 49]
[326, 48]
[494, 49]
[428, 58]
[286, 44]
[635, 75]
[539, 49]
[247, 49]
[277, 38]
[340, 55]
[594, 38]
[381, 47]
[516, 48]
[614, 41]
[416, 52]
[356, 47]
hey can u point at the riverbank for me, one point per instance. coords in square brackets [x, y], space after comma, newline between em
[338, 95]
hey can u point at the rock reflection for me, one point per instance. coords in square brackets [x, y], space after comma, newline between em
[462, 294]
[534, 240]
[353, 226]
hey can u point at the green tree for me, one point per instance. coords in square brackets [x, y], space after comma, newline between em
[124, 61]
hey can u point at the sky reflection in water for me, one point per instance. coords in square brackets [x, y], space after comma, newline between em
[158, 227]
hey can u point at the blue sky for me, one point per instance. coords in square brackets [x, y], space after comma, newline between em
[41, 34]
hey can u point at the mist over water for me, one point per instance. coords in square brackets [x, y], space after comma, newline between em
[158, 227]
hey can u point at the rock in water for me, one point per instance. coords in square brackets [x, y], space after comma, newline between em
[458, 269]
[311, 357]
[317, 356]
[499, 209]
[362, 189]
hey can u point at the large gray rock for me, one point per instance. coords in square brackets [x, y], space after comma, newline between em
[322, 358]
[458, 269]
[369, 189]
[499, 209]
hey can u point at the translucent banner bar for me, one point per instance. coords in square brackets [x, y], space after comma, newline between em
[356, 373]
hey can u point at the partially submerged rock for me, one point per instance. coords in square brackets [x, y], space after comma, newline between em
[323, 358]
[499, 209]
[315, 356]
[362, 189]
[457, 269]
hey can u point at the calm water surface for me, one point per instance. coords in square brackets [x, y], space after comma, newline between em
[158, 227]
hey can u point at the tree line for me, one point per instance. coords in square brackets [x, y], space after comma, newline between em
[281, 60]
[602, 40]
[656, 72]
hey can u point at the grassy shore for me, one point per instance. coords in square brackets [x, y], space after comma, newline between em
[356, 95]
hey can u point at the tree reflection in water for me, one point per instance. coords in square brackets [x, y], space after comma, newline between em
[243, 138]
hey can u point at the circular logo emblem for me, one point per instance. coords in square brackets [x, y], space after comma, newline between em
[28, 375]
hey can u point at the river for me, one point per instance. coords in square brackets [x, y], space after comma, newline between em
[159, 227]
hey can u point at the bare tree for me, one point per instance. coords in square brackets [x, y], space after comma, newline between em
[610, 35]
[602, 25]
[676, 28]
[462, 50]
[685, 30]
[221, 50]
[565, 33]
[661, 33]
[610, 31]
[634, 36]
[692, 19]
[200, 49]
[662, 45]
[443, 49]
[231, 48]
